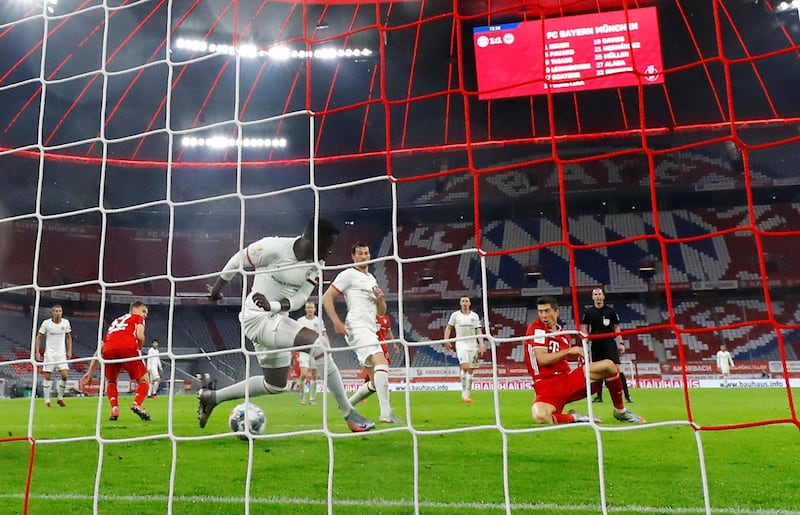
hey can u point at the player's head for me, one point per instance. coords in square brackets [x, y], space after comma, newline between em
[465, 304]
[328, 233]
[311, 309]
[360, 252]
[138, 308]
[154, 343]
[598, 296]
[723, 347]
[57, 312]
[547, 307]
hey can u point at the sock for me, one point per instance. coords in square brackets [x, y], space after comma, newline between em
[333, 380]
[362, 393]
[463, 376]
[600, 390]
[312, 390]
[62, 387]
[254, 386]
[381, 379]
[470, 378]
[112, 394]
[562, 418]
[624, 385]
[47, 388]
[141, 392]
[614, 385]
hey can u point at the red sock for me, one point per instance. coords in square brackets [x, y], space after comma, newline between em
[112, 394]
[141, 392]
[562, 418]
[614, 385]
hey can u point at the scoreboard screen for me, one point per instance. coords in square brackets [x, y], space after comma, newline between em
[573, 53]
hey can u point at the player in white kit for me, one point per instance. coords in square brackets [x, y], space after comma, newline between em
[469, 344]
[154, 368]
[57, 333]
[724, 363]
[364, 303]
[308, 367]
[286, 274]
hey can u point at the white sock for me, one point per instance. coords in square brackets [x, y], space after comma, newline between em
[470, 378]
[333, 380]
[312, 390]
[464, 391]
[381, 379]
[362, 393]
[254, 386]
[48, 387]
[62, 387]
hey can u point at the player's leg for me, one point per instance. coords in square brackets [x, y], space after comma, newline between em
[464, 372]
[137, 371]
[312, 392]
[112, 371]
[47, 387]
[366, 389]
[607, 370]
[62, 385]
[304, 380]
[332, 379]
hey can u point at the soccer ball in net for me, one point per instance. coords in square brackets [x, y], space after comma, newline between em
[246, 415]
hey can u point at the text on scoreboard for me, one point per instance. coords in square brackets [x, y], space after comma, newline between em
[573, 53]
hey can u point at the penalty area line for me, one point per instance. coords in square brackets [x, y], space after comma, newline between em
[372, 503]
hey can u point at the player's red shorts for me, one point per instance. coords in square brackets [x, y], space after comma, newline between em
[136, 369]
[559, 390]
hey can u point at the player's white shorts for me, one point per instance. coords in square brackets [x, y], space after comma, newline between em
[55, 362]
[304, 360]
[365, 343]
[725, 370]
[467, 355]
[154, 374]
[271, 334]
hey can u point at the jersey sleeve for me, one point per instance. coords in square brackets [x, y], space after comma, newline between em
[255, 255]
[342, 281]
[452, 320]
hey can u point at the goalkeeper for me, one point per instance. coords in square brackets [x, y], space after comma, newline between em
[285, 277]
[555, 383]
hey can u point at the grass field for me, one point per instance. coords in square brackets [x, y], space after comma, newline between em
[653, 468]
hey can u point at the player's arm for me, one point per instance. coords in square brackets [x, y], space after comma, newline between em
[140, 334]
[447, 330]
[237, 261]
[620, 341]
[68, 340]
[390, 336]
[545, 358]
[38, 346]
[481, 345]
[328, 299]
[380, 300]
[84, 380]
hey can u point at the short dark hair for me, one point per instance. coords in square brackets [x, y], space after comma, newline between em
[326, 228]
[357, 245]
[547, 299]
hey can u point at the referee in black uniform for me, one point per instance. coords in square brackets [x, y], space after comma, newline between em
[602, 319]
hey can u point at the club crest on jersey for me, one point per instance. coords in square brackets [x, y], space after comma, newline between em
[606, 321]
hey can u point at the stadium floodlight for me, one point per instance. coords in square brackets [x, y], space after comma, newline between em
[278, 52]
[220, 142]
[786, 7]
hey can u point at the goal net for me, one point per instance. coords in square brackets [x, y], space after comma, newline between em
[499, 150]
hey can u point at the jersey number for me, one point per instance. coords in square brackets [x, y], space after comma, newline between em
[119, 324]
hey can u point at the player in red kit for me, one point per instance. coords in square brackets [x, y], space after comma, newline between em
[555, 383]
[124, 339]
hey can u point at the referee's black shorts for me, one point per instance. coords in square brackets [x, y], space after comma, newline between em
[605, 348]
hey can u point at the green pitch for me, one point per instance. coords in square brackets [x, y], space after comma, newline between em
[652, 469]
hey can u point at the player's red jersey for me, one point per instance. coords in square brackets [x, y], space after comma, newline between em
[121, 333]
[294, 367]
[552, 344]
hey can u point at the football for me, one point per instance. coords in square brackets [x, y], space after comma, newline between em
[247, 417]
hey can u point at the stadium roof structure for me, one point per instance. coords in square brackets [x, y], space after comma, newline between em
[418, 81]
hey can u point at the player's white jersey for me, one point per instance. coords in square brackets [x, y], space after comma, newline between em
[270, 256]
[358, 290]
[315, 324]
[55, 336]
[465, 324]
[724, 361]
[153, 361]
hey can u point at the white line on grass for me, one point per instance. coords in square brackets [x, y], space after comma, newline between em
[369, 503]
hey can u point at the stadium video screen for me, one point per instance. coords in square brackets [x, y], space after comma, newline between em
[573, 53]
